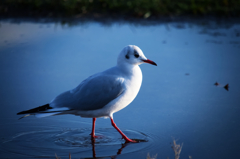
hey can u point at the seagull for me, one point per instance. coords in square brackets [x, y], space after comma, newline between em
[101, 94]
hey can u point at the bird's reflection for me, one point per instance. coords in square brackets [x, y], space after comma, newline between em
[94, 156]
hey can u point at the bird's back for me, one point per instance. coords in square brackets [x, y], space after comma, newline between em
[93, 93]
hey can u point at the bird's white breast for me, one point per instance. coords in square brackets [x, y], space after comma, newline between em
[132, 84]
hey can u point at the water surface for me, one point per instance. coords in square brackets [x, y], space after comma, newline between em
[178, 98]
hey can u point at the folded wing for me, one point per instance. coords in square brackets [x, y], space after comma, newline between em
[92, 94]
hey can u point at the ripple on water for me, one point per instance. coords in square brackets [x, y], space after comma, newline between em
[48, 141]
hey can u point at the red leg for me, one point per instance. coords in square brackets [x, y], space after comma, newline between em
[93, 128]
[123, 135]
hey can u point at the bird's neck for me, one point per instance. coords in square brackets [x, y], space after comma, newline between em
[129, 69]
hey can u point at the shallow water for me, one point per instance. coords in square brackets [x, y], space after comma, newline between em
[178, 98]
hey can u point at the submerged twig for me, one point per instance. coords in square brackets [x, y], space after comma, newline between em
[57, 156]
[177, 149]
[149, 157]
[60, 158]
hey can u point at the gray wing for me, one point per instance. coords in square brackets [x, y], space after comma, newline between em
[93, 93]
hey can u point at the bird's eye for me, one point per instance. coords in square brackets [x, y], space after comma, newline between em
[136, 54]
[127, 57]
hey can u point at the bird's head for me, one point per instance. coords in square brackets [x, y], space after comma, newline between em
[133, 55]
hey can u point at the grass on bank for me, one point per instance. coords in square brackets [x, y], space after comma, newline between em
[132, 8]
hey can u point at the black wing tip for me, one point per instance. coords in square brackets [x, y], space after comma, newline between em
[35, 110]
[22, 112]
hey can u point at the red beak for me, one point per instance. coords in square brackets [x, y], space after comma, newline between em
[149, 61]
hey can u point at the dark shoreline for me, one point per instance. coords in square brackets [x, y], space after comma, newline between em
[211, 22]
[122, 9]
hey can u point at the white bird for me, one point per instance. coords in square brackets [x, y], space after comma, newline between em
[101, 94]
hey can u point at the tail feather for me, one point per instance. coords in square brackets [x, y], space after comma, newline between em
[45, 114]
[36, 110]
[43, 111]
[24, 116]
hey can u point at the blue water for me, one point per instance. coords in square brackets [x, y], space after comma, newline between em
[178, 98]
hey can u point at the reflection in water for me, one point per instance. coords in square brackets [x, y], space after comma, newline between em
[114, 156]
[75, 141]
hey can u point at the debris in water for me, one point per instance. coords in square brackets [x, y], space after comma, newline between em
[226, 87]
